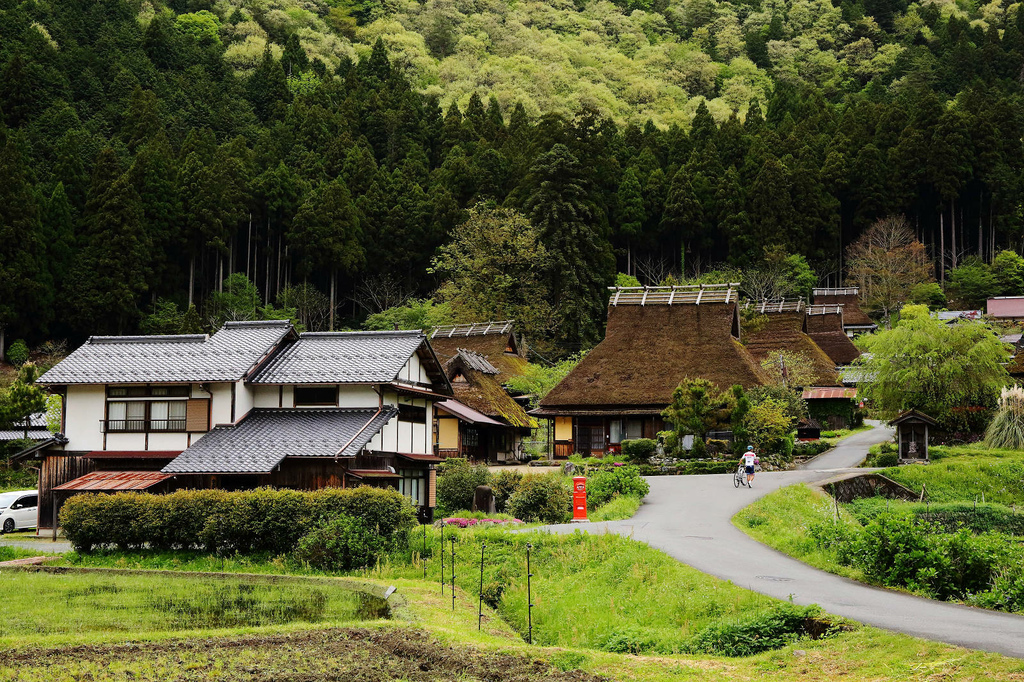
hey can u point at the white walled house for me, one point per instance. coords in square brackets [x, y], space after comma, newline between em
[254, 404]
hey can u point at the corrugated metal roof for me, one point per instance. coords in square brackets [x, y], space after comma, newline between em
[265, 437]
[342, 358]
[109, 481]
[829, 393]
[466, 413]
[477, 361]
[228, 355]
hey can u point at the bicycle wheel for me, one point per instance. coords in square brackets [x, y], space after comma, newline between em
[736, 479]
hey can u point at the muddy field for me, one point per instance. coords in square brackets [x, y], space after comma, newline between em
[367, 655]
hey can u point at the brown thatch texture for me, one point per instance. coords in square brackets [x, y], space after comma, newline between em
[1015, 368]
[648, 350]
[827, 332]
[852, 314]
[491, 346]
[784, 332]
[484, 393]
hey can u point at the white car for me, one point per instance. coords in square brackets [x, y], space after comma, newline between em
[18, 510]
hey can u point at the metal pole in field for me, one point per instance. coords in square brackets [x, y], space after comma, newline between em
[529, 598]
[480, 611]
[424, 557]
[442, 557]
[453, 571]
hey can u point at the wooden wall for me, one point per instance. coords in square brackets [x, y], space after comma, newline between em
[58, 468]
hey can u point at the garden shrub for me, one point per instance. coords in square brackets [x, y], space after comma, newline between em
[604, 486]
[639, 450]
[773, 629]
[261, 520]
[541, 498]
[810, 448]
[457, 481]
[503, 484]
[887, 459]
[17, 353]
[342, 544]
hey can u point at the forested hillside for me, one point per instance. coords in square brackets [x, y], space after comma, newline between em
[319, 148]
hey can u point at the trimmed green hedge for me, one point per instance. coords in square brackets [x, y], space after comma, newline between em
[260, 520]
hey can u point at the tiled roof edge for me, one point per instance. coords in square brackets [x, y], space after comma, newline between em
[156, 338]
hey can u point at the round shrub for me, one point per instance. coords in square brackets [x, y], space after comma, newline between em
[541, 498]
[639, 449]
[887, 459]
[342, 544]
[457, 482]
[503, 484]
[17, 354]
[606, 485]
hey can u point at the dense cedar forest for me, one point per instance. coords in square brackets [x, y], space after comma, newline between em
[148, 151]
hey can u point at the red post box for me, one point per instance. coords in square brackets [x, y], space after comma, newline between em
[579, 499]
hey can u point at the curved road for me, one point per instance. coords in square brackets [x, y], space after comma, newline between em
[689, 518]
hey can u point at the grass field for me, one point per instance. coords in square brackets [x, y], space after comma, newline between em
[594, 588]
[782, 520]
[438, 643]
[965, 473]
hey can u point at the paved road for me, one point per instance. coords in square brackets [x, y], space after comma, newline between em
[689, 518]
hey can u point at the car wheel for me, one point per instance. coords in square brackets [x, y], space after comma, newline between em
[9, 526]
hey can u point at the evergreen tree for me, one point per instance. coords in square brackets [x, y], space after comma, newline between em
[326, 233]
[631, 213]
[582, 263]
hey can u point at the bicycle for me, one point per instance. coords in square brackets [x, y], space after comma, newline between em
[740, 477]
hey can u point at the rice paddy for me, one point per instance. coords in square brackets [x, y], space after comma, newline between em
[80, 603]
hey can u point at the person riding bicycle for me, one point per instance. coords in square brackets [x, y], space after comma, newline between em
[749, 461]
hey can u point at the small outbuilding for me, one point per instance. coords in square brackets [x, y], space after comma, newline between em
[912, 435]
[831, 405]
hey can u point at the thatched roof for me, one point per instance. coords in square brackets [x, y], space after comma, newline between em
[496, 341]
[477, 383]
[647, 350]
[784, 332]
[849, 297]
[824, 324]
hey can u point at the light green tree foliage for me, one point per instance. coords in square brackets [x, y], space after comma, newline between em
[491, 268]
[202, 26]
[167, 318]
[973, 282]
[768, 425]
[1008, 270]
[240, 300]
[624, 280]
[413, 314]
[928, 365]
[54, 408]
[538, 380]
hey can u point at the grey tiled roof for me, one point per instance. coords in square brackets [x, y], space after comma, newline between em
[36, 430]
[228, 355]
[265, 437]
[342, 358]
[476, 361]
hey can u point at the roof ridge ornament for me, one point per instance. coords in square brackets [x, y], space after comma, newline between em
[678, 294]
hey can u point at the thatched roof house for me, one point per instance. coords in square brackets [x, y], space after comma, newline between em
[476, 384]
[496, 341]
[855, 320]
[824, 324]
[784, 331]
[656, 337]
